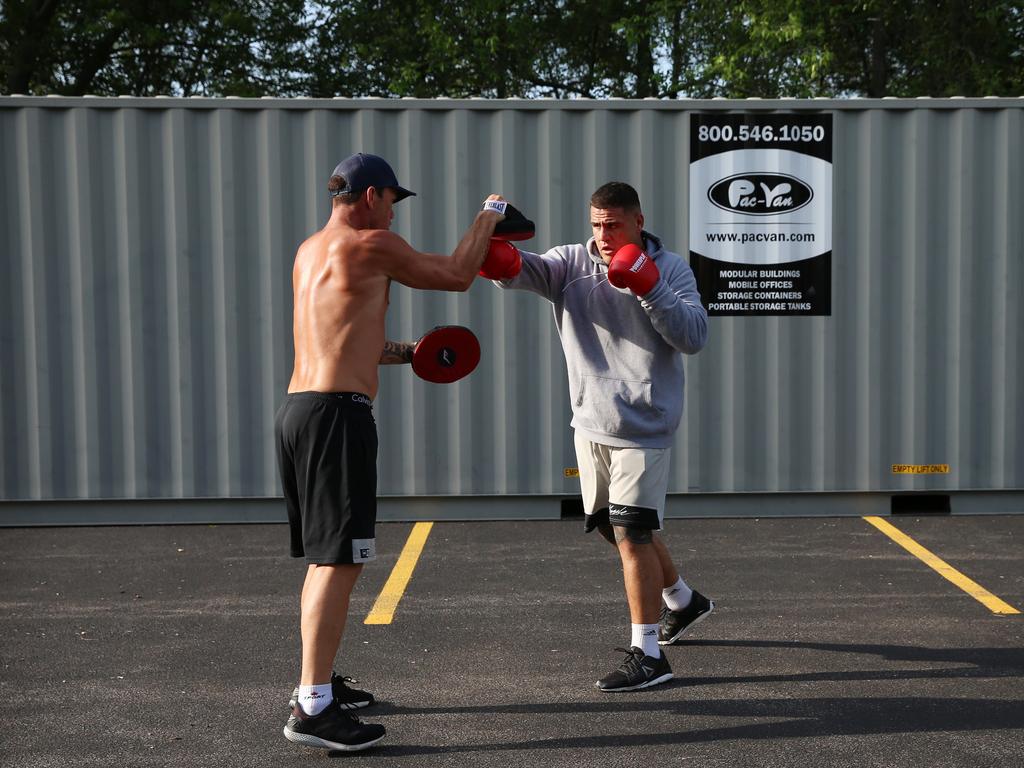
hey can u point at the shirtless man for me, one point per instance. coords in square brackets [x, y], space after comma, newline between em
[325, 432]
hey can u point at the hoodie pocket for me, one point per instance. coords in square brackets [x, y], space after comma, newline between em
[620, 407]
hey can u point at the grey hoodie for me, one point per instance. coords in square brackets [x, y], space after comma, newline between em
[622, 353]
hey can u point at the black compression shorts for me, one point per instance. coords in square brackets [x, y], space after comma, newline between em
[327, 455]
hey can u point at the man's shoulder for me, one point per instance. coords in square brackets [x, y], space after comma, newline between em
[661, 255]
[655, 246]
[368, 241]
[356, 243]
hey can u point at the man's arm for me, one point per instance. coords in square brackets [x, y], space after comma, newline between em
[410, 267]
[676, 311]
[442, 355]
[543, 274]
[397, 352]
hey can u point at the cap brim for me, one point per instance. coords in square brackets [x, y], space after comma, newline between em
[401, 193]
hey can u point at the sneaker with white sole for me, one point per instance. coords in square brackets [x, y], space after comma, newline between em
[674, 623]
[334, 728]
[347, 698]
[636, 671]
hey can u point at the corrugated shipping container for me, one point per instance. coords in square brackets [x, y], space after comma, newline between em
[145, 308]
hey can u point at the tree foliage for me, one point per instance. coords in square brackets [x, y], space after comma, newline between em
[148, 47]
[513, 48]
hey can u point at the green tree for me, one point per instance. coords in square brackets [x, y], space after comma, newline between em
[425, 48]
[804, 48]
[513, 48]
[146, 47]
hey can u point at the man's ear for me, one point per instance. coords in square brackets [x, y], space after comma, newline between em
[370, 197]
[640, 220]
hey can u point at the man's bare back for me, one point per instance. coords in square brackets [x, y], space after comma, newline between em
[340, 302]
[341, 281]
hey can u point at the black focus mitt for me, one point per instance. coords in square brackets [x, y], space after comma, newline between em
[514, 226]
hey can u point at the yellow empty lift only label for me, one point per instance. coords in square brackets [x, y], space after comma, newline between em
[572, 472]
[920, 469]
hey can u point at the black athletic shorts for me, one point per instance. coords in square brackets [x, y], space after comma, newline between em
[327, 454]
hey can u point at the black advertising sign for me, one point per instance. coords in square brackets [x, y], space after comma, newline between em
[761, 212]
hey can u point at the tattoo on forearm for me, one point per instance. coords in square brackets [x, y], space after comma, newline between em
[397, 352]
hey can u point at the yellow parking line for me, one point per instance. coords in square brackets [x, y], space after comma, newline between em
[944, 569]
[387, 601]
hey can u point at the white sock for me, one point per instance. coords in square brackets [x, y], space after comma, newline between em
[645, 637]
[677, 596]
[314, 698]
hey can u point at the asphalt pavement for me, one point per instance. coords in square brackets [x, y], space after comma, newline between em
[831, 645]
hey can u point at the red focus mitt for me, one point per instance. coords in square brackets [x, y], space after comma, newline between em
[446, 354]
[514, 226]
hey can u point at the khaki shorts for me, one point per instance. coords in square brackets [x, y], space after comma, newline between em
[630, 483]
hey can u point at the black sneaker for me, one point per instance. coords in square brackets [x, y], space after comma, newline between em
[636, 671]
[347, 698]
[334, 728]
[674, 623]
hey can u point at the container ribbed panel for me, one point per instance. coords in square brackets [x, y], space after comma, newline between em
[145, 311]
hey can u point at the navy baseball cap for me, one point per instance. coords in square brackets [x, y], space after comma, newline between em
[362, 171]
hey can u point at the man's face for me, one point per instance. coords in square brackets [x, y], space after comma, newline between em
[614, 228]
[383, 214]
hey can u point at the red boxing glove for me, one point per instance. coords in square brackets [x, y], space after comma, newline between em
[503, 261]
[631, 268]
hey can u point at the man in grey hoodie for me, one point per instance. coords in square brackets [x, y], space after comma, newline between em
[625, 309]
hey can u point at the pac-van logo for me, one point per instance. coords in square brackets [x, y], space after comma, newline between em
[760, 194]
